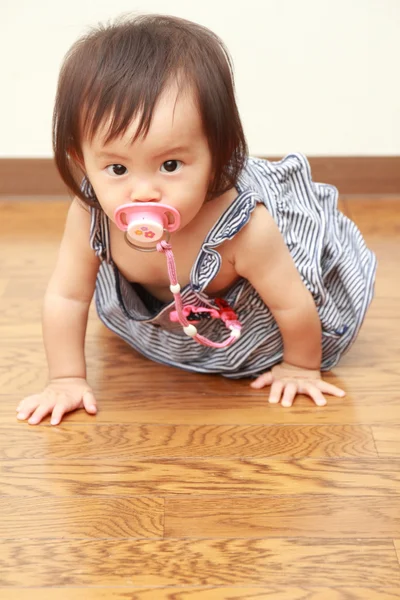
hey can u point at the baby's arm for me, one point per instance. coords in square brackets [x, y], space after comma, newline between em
[262, 257]
[65, 313]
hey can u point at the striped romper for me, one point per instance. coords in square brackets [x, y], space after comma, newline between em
[327, 248]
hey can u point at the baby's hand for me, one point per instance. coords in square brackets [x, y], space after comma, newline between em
[59, 397]
[288, 380]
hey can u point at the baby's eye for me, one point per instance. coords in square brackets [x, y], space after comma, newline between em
[170, 166]
[116, 169]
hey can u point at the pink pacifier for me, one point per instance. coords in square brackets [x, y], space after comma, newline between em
[146, 222]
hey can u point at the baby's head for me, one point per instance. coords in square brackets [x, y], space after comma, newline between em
[115, 76]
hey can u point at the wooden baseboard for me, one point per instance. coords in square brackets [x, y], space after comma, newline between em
[351, 175]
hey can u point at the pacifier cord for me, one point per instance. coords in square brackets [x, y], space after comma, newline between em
[188, 328]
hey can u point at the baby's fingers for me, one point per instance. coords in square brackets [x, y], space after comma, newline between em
[42, 411]
[289, 394]
[58, 412]
[262, 381]
[275, 393]
[89, 402]
[314, 393]
[328, 388]
[27, 406]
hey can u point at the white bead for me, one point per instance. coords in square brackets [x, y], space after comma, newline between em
[190, 330]
[175, 289]
[235, 332]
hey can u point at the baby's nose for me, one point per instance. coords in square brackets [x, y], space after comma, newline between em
[145, 192]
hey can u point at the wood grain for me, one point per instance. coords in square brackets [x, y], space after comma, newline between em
[181, 441]
[387, 439]
[203, 593]
[192, 487]
[198, 562]
[216, 477]
[82, 517]
[358, 407]
[302, 516]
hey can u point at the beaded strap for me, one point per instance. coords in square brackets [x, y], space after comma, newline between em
[226, 314]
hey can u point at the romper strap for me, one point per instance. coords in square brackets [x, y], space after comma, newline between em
[99, 231]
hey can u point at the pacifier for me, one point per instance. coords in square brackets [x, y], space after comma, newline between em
[146, 222]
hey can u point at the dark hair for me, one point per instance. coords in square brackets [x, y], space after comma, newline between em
[118, 71]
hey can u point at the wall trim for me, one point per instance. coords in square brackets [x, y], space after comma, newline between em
[351, 175]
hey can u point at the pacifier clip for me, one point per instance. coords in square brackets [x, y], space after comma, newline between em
[147, 222]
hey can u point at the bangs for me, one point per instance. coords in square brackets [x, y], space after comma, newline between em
[112, 103]
[132, 76]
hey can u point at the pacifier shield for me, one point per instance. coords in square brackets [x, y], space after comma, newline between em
[142, 229]
[146, 221]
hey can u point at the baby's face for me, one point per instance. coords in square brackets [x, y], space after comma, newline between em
[172, 164]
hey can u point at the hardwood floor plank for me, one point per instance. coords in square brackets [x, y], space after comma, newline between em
[45, 563]
[385, 311]
[77, 441]
[20, 256]
[184, 593]
[298, 516]
[81, 517]
[374, 218]
[397, 548]
[387, 440]
[3, 285]
[157, 409]
[376, 345]
[217, 477]
[32, 216]
[202, 593]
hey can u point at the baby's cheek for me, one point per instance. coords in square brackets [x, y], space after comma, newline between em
[189, 213]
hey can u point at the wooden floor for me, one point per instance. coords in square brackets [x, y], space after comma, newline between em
[189, 487]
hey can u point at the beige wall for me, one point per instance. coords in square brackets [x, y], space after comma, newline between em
[316, 76]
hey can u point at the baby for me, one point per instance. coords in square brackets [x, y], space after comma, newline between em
[145, 113]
